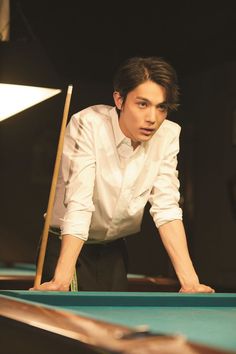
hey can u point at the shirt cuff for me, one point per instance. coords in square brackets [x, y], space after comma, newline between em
[163, 217]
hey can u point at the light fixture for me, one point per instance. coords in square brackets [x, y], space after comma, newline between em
[17, 98]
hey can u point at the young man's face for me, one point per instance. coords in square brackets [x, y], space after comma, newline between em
[143, 111]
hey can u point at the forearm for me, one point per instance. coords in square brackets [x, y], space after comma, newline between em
[174, 240]
[70, 250]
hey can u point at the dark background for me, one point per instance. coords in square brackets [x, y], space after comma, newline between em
[54, 44]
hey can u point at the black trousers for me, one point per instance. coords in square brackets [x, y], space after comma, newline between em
[100, 267]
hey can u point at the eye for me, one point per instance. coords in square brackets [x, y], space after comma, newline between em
[162, 107]
[142, 104]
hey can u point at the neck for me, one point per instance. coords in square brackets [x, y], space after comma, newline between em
[135, 144]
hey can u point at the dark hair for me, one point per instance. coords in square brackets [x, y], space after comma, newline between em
[137, 70]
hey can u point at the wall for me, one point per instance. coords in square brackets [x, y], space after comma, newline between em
[208, 106]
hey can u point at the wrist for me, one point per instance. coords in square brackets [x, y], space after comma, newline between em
[61, 278]
[188, 282]
[61, 284]
[188, 285]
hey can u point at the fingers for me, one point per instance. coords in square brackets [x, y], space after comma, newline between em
[49, 286]
[199, 288]
[43, 287]
[209, 290]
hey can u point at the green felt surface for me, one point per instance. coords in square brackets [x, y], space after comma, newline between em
[18, 269]
[202, 318]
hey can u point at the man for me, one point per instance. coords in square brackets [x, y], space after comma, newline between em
[115, 160]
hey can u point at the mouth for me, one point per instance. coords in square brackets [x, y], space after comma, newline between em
[147, 131]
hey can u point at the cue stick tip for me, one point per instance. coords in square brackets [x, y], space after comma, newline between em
[70, 87]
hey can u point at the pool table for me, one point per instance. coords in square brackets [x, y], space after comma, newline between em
[137, 283]
[117, 322]
[17, 275]
[20, 276]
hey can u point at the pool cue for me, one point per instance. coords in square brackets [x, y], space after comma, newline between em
[44, 237]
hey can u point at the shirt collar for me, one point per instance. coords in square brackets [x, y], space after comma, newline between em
[119, 135]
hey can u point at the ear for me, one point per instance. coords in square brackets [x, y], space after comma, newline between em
[118, 99]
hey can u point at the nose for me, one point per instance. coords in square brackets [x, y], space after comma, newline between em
[151, 116]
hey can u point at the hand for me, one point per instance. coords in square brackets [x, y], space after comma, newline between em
[51, 286]
[196, 288]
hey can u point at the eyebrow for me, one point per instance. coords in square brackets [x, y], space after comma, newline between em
[147, 100]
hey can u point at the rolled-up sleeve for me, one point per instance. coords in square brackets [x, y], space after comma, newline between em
[78, 170]
[164, 197]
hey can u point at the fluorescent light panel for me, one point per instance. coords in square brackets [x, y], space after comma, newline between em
[17, 98]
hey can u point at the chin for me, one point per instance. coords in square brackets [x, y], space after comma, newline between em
[145, 138]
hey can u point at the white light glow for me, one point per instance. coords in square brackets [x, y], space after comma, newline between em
[16, 98]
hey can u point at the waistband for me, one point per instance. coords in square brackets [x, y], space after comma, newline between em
[55, 231]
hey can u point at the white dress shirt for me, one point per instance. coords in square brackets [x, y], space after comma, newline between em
[104, 184]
